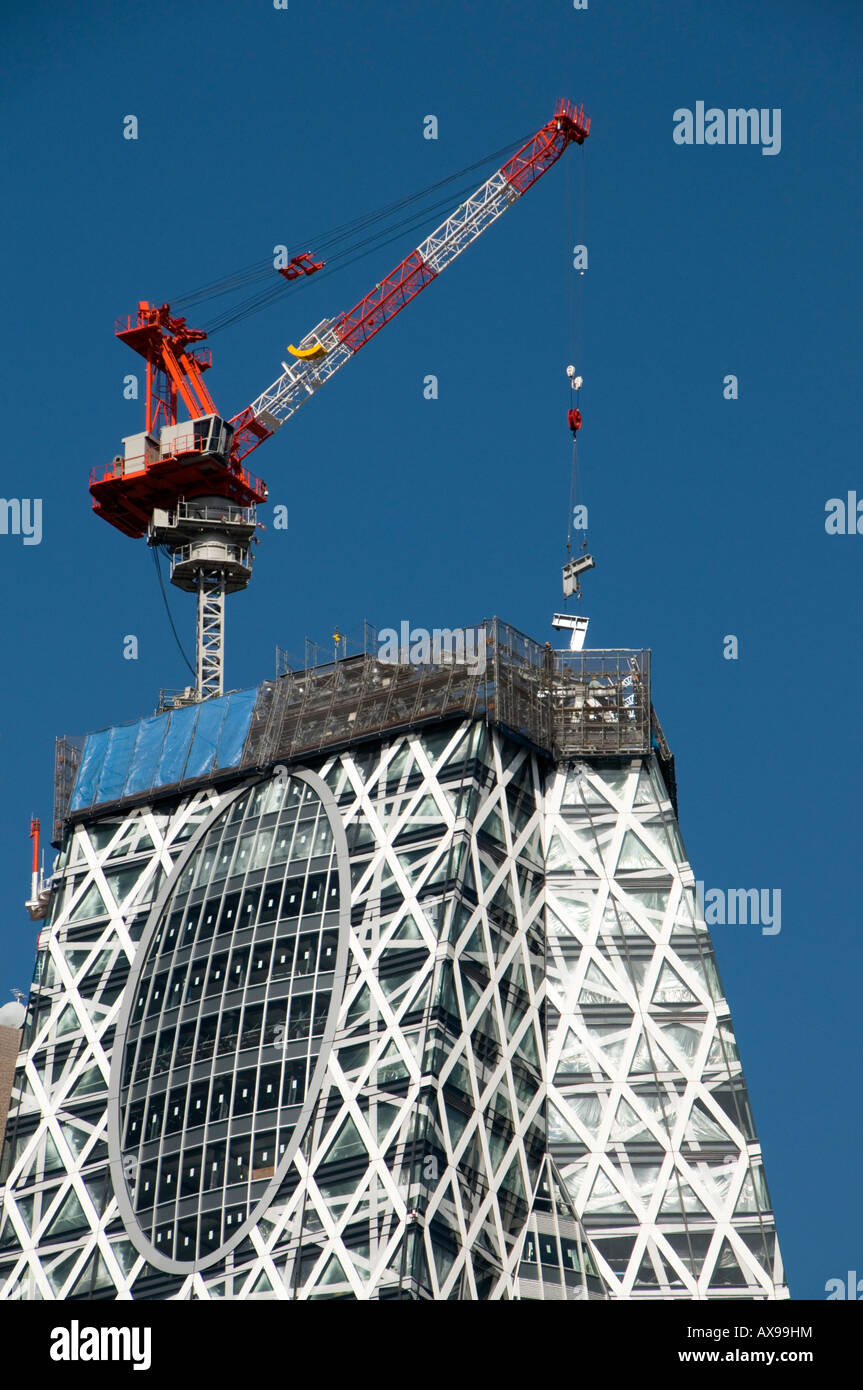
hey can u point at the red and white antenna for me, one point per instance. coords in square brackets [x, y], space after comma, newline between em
[40, 891]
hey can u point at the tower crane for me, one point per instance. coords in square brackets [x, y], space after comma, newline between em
[184, 484]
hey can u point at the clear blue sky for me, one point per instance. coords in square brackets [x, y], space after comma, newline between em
[707, 515]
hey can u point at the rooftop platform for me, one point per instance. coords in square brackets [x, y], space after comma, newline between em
[564, 704]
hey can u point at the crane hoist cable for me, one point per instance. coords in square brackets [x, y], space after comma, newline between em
[573, 356]
[573, 487]
[182, 651]
[203, 458]
[574, 567]
[356, 252]
[327, 241]
[129, 496]
[574, 422]
[569, 250]
[575, 298]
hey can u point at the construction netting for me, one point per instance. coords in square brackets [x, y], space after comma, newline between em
[566, 704]
[164, 750]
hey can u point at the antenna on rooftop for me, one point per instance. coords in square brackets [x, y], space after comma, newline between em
[40, 890]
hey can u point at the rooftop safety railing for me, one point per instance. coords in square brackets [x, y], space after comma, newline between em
[565, 704]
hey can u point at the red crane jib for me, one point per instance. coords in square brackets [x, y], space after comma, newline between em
[387, 299]
[355, 328]
[175, 369]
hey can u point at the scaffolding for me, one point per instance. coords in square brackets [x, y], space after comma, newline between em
[67, 760]
[564, 704]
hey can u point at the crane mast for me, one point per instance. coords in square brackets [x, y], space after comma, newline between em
[183, 484]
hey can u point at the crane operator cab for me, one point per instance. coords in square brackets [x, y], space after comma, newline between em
[208, 437]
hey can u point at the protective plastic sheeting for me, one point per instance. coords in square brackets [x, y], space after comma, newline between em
[164, 750]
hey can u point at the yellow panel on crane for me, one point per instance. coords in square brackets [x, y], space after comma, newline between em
[307, 354]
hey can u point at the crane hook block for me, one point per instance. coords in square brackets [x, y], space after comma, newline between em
[309, 354]
[573, 419]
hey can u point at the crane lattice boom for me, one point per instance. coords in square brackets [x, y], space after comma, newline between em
[334, 341]
[183, 483]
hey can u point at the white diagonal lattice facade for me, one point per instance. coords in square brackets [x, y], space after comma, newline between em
[649, 1119]
[308, 1037]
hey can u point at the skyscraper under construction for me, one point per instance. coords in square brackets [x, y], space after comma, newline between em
[383, 981]
[387, 978]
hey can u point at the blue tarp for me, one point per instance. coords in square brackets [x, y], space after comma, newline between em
[205, 744]
[148, 749]
[92, 759]
[118, 758]
[175, 749]
[165, 749]
[241, 707]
